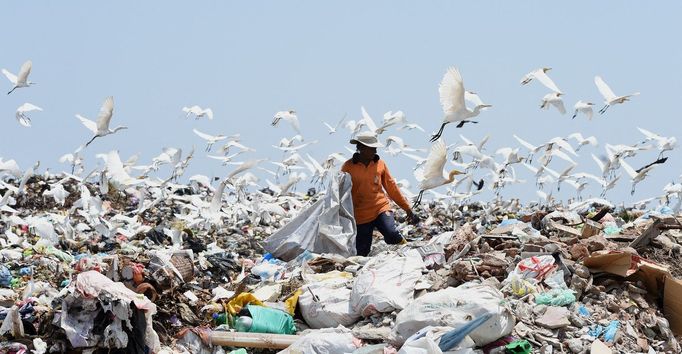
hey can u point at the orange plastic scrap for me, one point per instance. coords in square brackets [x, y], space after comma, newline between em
[235, 305]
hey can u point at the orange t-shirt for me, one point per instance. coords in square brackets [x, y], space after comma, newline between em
[369, 198]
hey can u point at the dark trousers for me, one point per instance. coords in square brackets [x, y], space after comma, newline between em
[385, 224]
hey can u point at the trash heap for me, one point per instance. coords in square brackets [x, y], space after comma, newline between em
[158, 269]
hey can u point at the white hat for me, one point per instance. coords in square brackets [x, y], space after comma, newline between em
[367, 139]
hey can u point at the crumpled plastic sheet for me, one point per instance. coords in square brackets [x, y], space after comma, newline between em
[79, 309]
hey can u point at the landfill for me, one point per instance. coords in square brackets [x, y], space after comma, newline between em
[104, 270]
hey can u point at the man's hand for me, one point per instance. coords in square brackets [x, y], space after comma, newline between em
[412, 219]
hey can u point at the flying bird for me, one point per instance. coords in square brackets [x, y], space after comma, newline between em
[540, 75]
[555, 100]
[20, 80]
[288, 116]
[21, 116]
[610, 98]
[210, 139]
[332, 130]
[433, 176]
[101, 128]
[451, 92]
[198, 112]
[583, 107]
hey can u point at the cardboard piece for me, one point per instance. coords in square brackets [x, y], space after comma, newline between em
[615, 263]
[656, 278]
[672, 304]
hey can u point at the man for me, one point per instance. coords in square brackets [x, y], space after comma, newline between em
[370, 178]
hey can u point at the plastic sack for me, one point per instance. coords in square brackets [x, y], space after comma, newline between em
[427, 340]
[455, 307]
[267, 320]
[386, 283]
[327, 304]
[327, 226]
[535, 267]
[556, 297]
[324, 341]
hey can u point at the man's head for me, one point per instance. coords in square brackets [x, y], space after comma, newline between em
[366, 143]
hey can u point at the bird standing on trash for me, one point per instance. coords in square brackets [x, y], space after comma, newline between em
[370, 177]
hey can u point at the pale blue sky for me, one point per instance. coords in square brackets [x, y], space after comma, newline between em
[247, 60]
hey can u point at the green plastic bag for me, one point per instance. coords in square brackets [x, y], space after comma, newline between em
[267, 320]
[555, 297]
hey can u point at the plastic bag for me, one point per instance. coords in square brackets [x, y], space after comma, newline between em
[327, 304]
[324, 341]
[386, 283]
[327, 226]
[267, 320]
[456, 307]
[533, 268]
[555, 297]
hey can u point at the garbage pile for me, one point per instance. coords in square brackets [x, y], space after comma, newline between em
[161, 268]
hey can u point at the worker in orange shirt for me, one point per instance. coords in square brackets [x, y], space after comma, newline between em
[370, 178]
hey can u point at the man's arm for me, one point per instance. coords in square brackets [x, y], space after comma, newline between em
[393, 191]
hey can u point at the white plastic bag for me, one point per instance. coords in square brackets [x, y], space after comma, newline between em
[455, 307]
[323, 341]
[326, 304]
[427, 341]
[327, 226]
[386, 283]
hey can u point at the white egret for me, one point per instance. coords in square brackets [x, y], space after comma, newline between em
[433, 176]
[553, 99]
[241, 167]
[198, 112]
[225, 159]
[582, 141]
[21, 116]
[583, 107]
[210, 139]
[451, 92]
[288, 116]
[662, 143]
[610, 98]
[225, 149]
[332, 130]
[541, 75]
[20, 80]
[411, 126]
[635, 177]
[393, 118]
[101, 128]
[354, 126]
[532, 149]
[475, 100]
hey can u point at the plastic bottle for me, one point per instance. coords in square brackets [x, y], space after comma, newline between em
[243, 324]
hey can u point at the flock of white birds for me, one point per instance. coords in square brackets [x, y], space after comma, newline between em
[551, 163]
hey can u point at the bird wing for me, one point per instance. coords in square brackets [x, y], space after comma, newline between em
[27, 107]
[221, 158]
[466, 140]
[203, 135]
[436, 160]
[577, 136]
[209, 113]
[92, 126]
[472, 98]
[526, 144]
[11, 77]
[630, 171]
[451, 91]
[24, 71]
[604, 89]
[328, 126]
[564, 145]
[562, 155]
[559, 104]
[649, 134]
[105, 114]
[368, 120]
[545, 80]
